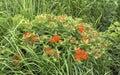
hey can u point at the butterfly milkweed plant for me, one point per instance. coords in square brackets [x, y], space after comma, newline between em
[52, 45]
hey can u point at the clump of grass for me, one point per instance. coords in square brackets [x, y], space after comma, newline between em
[52, 44]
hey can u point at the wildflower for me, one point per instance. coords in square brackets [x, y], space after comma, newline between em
[55, 38]
[81, 54]
[26, 34]
[48, 51]
[16, 60]
[34, 39]
[77, 57]
[78, 52]
[88, 41]
[81, 28]
[84, 39]
[84, 57]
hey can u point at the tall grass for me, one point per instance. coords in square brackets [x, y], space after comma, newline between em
[99, 12]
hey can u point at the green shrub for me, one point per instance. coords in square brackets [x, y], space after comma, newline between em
[53, 45]
[113, 34]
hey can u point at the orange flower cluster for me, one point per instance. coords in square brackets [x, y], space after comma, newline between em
[83, 31]
[34, 39]
[81, 28]
[55, 38]
[26, 35]
[48, 51]
[81, 54]
[55, 53]
[84, 39]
